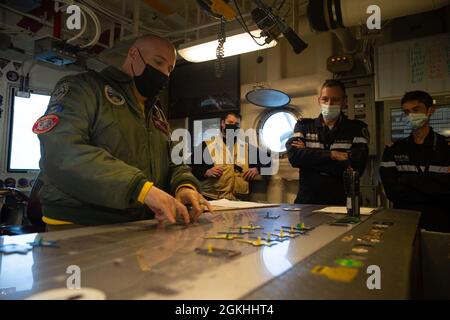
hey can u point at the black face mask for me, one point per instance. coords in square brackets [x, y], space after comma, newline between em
[231, 127]
[150, 82]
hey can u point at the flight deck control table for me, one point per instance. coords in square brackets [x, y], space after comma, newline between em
[140, 260]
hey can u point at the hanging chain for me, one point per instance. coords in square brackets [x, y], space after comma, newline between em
[220, 52]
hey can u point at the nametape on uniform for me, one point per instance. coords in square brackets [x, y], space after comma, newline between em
[59, 92]
[45, 124]
[113, 96]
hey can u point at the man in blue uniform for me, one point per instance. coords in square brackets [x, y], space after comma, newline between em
[415, 170]
[323, 148]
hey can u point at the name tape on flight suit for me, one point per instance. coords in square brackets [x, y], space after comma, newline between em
[113, 96]
[45, 124]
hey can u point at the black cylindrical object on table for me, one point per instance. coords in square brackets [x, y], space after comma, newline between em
[351, 186]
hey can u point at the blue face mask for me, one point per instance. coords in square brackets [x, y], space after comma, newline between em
[330, 112]
[417, 120]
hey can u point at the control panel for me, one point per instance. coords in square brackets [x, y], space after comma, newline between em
[340, 63]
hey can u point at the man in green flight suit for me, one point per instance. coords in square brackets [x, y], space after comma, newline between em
[105, 146]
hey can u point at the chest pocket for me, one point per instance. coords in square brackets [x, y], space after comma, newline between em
[428, 159]
[119, 131]
[107, 134]
[159, 153]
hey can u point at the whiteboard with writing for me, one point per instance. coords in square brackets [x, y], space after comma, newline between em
[419, 64]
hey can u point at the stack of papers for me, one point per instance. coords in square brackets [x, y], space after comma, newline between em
[224, 204]
[343, 210]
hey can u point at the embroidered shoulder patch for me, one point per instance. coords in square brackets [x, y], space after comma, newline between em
[113, 96]
[59, 92]
[45, 124]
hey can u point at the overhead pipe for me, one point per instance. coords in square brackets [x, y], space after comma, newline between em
[27, 15]
[348, 41]
[112, 35]
[57, 24]
[338, 15]
[136, 17]
[119, 18]
[326, 15]
[205, 26]
[122, 25]
[354, 12]
[40, 20]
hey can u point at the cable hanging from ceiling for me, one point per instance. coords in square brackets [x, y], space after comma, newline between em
[220, 52]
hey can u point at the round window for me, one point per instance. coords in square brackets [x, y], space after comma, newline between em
[276, 128]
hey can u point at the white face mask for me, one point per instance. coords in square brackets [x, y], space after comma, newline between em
[330, 112]
[417, 120]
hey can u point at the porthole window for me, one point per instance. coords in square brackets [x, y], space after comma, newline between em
[276, 128]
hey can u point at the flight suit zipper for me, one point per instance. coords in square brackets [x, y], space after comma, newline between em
[148, 132]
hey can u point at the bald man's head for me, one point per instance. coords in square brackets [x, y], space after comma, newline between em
[153, 50]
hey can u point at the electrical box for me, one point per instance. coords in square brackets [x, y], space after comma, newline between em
[395, 126]
[340, 63]
[361, 106]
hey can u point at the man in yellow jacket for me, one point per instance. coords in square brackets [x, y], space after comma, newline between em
[226, 169]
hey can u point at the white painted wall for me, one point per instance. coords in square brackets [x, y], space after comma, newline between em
[299, 76]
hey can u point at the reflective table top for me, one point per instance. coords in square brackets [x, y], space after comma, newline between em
[144, 260]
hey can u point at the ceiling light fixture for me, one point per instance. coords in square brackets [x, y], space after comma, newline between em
[205, 50]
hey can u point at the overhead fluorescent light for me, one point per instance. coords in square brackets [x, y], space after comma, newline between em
[205, 50]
